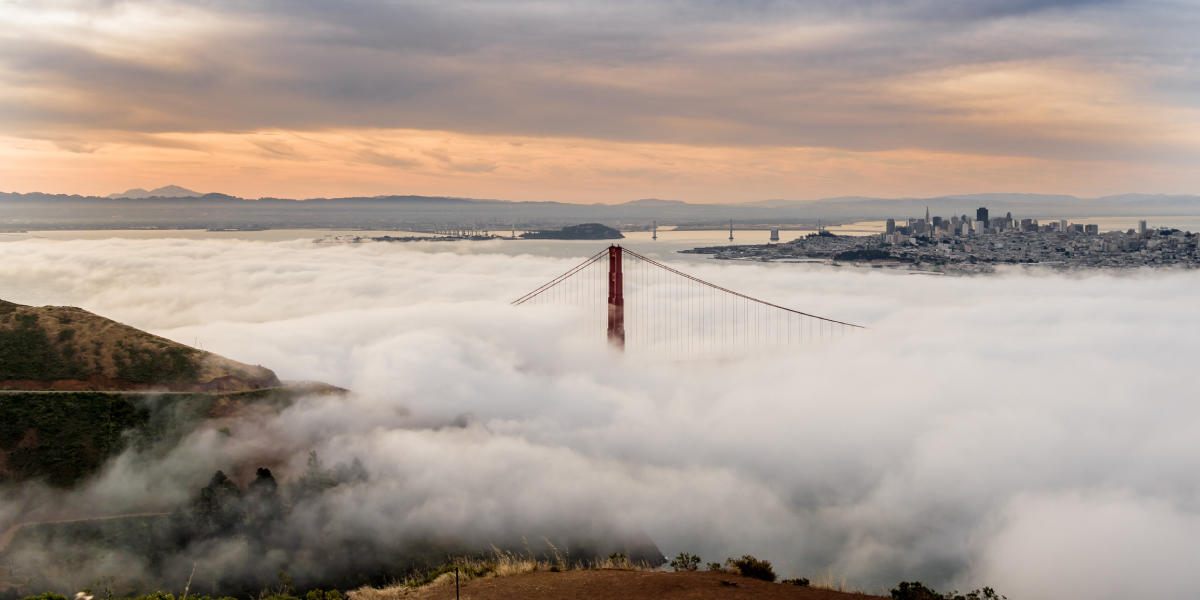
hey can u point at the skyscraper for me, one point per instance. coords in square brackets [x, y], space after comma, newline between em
[981, 214]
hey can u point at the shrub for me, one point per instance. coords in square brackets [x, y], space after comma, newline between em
[155, 365]
[618, 560]
[801, 581]
[714, 566]
[750, 566]
[324, 595]
[26, 352]
[914, 590]
[983, 593]
[685, 562]
[284, 591]
[158, 595]
[46, 596]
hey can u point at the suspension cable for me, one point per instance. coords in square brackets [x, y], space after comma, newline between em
[560, 278]
[738, 294]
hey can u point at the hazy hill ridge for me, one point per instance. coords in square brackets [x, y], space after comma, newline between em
[67, 348]
[167, 191]
[34, 211]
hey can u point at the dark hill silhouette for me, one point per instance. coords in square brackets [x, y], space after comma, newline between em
[167, 191]
[586, 231]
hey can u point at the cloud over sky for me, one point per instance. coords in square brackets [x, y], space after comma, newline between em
[1033, 432]
[97, 90]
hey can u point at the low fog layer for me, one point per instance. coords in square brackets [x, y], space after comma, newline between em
[1032, 432]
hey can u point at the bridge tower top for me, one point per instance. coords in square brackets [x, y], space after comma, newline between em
[616, 298]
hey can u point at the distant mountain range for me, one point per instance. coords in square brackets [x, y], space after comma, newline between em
[177, 207]
[167, 191]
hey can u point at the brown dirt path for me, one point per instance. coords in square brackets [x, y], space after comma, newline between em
[7, 535]
[614, 584]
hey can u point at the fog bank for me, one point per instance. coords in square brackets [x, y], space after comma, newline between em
[1031, 432]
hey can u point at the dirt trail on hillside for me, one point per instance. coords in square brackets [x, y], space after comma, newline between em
[614, 584]
[7, 536]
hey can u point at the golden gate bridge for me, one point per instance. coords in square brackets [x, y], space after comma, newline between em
[644, 305]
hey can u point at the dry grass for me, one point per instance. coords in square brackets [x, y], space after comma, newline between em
[829, 581]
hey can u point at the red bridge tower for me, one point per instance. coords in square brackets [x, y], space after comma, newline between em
[616, 299]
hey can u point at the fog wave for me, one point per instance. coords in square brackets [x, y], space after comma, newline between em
[1033, 432]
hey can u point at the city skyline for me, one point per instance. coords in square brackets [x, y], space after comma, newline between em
[965, 245]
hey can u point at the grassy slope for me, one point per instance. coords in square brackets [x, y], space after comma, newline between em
[60, 347]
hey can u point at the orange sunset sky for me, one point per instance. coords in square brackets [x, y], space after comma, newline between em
[601, 101]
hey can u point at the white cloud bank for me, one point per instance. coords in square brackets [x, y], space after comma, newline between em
[1035, 433]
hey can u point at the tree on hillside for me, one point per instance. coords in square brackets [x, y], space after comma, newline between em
[218, 507]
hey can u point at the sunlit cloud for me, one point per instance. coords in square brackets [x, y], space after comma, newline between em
[1067, 87]
[1064, 102]
[306, 164]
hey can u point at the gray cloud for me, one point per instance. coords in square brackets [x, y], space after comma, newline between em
[813, 73]
[1029, 432]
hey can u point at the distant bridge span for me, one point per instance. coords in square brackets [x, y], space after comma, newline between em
[647, 305]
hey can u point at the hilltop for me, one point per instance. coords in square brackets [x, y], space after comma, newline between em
[68, 348]
[167, 191]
